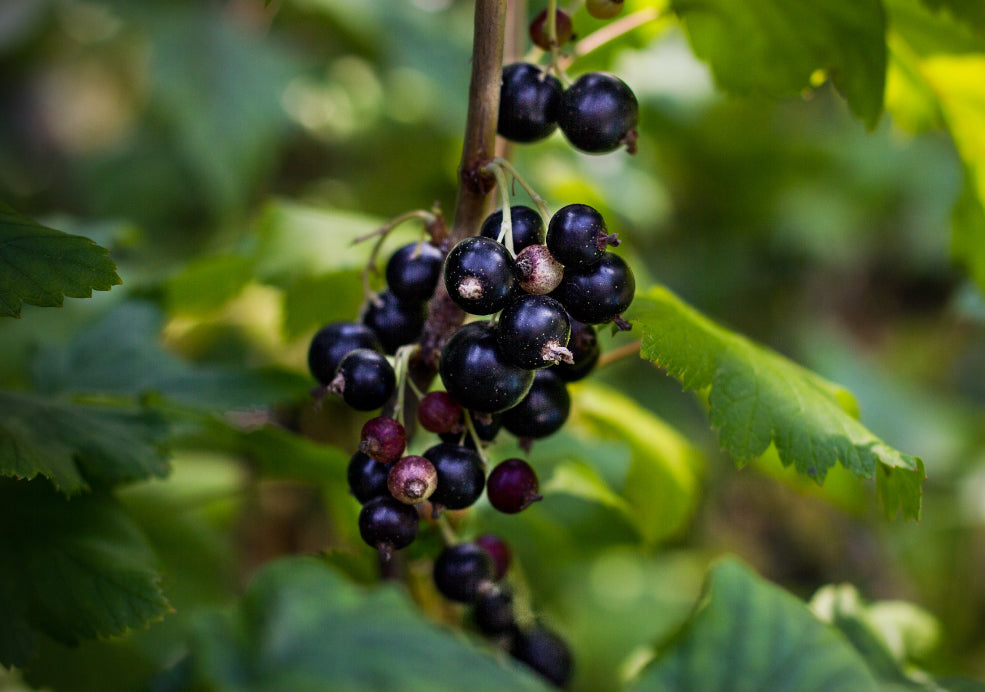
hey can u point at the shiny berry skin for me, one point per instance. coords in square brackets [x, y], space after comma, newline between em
[528, 227]
[438, 412]
[604, 9]
[461, 476]
[533, 332]
[394, 321]
[475, 372]
[387, 524]
[479, 276]
[413, 271]
[493, 613]
[412, 479]
[537, 271]
[577, 236]
[539, 33]
[383, 438]
[599, 113]
[598, 293]
[545, 652]
[543, 411]
[367, 477]
[498, 551]
[335, 341]
[460, 571]
[512, 486]
[584, 347]
[529, 100]
[365, 380]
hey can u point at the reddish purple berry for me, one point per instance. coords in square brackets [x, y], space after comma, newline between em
[412, 479]
[383, 439]
[439, 413]
[512, 486]
[498, 551]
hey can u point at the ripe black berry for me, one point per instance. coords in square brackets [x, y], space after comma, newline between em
[562, 24]
[367, 477]
[383, 438]
[545, 652]
[537, 271]
[438, 412]
[461, 570]
[584, 347]
[492, 612]
[387, 524]
[413, 271]
[543, 411]
[475, 372]
[528, 226]
[479, 276]
[412, 479]
[533, 332]
[528, 103]
[512, 486]
[396, 322]
[461, 476]
[335, 341]
[604, 9]
[577, 236]
[365, 380]
[498, 551]
[598, 293]
[598, 113]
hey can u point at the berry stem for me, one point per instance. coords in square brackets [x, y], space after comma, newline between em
[506, 228]
[470, 426]
[610, 357]
[447, 531]
[508, 167]
[610, 32]
[430, 218]
[401, 369]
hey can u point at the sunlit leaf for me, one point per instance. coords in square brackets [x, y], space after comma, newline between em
[313, 301]
[208, 283]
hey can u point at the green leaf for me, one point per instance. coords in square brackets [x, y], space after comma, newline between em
[74, 569]
[758, 397]
[747, 634]
[76, 446]
[312, 301]
[970, 11]
[301, 626]
[40, 266]
[774, 47]
[207, 283]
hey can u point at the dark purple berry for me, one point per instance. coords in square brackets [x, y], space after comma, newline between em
[335, 341]
[412, 479]
[528, 103]
[537, 271]
[498, 551]
[387, 524]
[475, 372]
[460, 571]
[533, 332]
[396, 322]
[584, 347]
[383, 438]
[539, 34]
[512, 486]
[577, 236]
[528, 227]
[365, 380]
[492, 612]
[438, 412]
[367, 477]
[479, 276]
[543, 411]
[599, 293]
[461, 475]
[598, 113]
[545, 652]
[413, 271]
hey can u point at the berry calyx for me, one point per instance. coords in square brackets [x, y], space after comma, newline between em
[540, 35]
[394, 321]
[479, 276]
[577, 236]
[498, 551]
[599, 113]
[529, 99]
[512, 486]
[438, 412]
[365, 380]
[533, 332]
[335, 341]
[528, 226]
[413, 271]
[543, 411]
[599, 293]
[584, 347]
[387, 524]
[383, 439]
[545, 652]
[461, 475]
[537, 271]
[492, 612]
[412, 479]
[367, 477]
[604, 9]
[477, 375]
[460, 571]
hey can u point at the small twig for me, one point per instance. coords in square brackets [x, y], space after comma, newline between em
[506, 166]
[610, 357]
[609, 32]
[506, 227]
[380, 234]
[470, 426]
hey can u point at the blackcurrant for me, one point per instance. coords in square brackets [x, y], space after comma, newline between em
[533, 332]
[394, 321]
[461, 476]
[413, 271]
[335, 341]
[383, 438]
[543, 411]
[577, 236]
[528, 226]
[492, 612]
[475, 372]
[388, 524]
[528, 103]
[367, 477]
[545, 652]
[584, 347]
[537, 271]
[365, 380]
[438, 412]
[498, 551]
[562, 24]
[479, 276]
[460, 571]
[598, 113]
[512, 486]
[604, 9]
[412, 479]
[599, 293]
